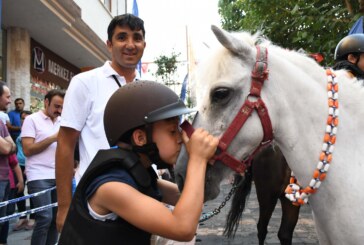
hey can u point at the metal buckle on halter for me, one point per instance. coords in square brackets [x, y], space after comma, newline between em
[251, 96]
[263, 143]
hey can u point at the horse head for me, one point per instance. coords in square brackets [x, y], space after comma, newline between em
[223, 82]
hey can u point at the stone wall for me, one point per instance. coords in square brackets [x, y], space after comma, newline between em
[18, 64]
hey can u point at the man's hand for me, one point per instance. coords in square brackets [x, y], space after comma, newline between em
[61, 217]
[20, 186]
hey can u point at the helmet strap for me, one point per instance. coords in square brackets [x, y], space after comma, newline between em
[151, 149]
[353, 68]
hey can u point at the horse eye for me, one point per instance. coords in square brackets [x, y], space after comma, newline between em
[220, 95]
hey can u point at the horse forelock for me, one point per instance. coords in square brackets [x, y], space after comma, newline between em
[219, 60]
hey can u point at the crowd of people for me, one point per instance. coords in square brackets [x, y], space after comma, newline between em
[28, 145]
[118, 127]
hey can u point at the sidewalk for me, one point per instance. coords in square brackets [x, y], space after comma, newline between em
[18, 237]
[210, 232]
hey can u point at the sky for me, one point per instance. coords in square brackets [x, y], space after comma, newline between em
[167, 22]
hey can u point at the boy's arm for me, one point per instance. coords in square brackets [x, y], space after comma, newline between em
[170, 191]
[67, 139]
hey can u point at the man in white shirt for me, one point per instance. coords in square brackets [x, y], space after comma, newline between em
[87, 95]
[39, 140]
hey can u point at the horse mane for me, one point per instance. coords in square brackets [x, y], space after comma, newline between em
[305, 63]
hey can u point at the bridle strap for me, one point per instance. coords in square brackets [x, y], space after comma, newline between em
[259, 75]
[260, 71]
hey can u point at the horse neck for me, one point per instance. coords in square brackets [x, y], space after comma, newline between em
[298, 108]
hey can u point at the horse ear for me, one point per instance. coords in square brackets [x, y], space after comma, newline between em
[232, 43]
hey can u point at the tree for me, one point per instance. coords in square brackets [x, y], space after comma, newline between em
[315, 26]
[167, 67]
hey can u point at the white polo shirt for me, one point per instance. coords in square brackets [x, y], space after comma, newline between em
[41, 165]
[83, 110]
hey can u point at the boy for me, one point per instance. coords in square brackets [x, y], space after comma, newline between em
[118, 199]
[349, 55]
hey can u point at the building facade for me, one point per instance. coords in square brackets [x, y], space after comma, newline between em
[44, 43]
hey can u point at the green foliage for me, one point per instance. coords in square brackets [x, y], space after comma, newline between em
[167, 67]
[313, 25]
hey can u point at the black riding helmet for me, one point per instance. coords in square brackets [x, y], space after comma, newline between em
[137, 104]
[349, 45]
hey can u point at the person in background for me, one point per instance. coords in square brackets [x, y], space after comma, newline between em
[15, 122]
[23, 222]
[85, 102]
[349, 55]
[39, 140]
[16, 184]
[4, 117]
[7, 147]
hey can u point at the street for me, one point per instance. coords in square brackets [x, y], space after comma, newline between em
[210, 231]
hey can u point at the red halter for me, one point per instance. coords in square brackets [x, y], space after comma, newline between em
[259, 75]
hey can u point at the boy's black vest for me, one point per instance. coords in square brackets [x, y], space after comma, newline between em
[81, 229]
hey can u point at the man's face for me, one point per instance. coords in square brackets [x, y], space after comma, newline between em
[5, 99]
[126, 47]
[19, 105]
[54, 107]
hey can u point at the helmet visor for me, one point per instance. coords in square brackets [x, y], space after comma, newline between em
[172, 110]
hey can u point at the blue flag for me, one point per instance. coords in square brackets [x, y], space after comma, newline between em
[184, 88]
[135, 12]
[357, 27]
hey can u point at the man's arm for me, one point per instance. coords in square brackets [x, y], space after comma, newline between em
[12, 128]
[7, 145]
[67, 139]
[31, 148]
[10, 123]
[19, 177]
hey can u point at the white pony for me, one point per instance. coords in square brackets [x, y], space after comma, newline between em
[295, 94]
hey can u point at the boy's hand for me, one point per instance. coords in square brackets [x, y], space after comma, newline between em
[201, 144]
